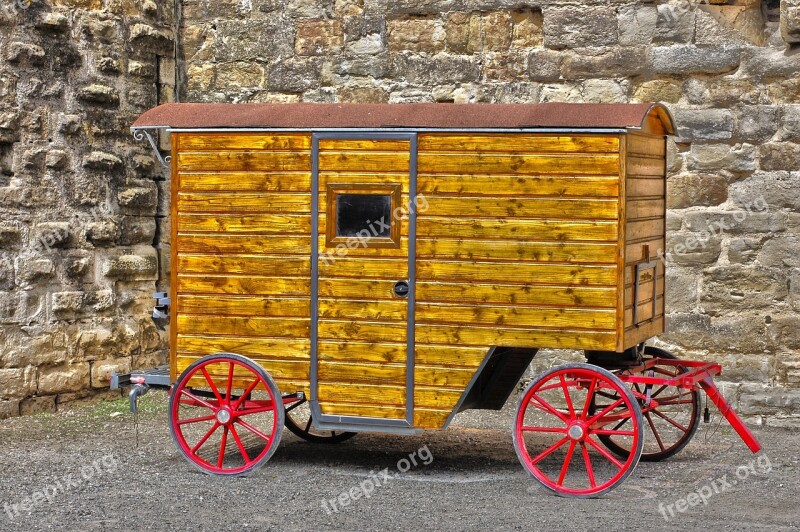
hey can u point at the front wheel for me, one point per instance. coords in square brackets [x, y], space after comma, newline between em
[557, 431]
[226, 415]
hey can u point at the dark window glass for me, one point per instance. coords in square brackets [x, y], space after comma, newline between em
[359, 212]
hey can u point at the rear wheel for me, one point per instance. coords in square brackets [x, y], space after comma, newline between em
[226, 415]
[556, 433]
[671, 414]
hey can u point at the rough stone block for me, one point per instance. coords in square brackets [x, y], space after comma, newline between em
[604, 63]
[779, 156]
[31, 269]
[637, 24]
[102, 370]
[775, 190]
[794, 289]
[781, 251]
[675, 23]
[682, 289]
[743, 250]
[9, 408]
[17, 382]
[254, 39]
[10, 235]
[318, 37]
[38, 405]
[436, 70]
[100, 94]
[790, 20]
[568, 27]
[65, 378]
[102, 233]
[690, 59]
[98, 160]
[360, 94]
[23, 52]
[703, 124]
[416, 35]
[137, 230]
[527, 28]
[790, 126]
[155, 40]
[756, 219]
[694, 190]
[693, 249]
[658, 90]
[67, 302]
[739, 158]
[50, 235]
[294, 75]
[132, 267]
[544, 65]
[757, 123]
[53, 22]
[740, 288]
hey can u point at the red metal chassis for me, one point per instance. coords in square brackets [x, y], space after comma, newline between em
[697, 374]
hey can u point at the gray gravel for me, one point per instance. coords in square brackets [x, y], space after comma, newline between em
[88, 464]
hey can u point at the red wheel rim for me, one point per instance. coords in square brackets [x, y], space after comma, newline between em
[557, 430]
[224, 416]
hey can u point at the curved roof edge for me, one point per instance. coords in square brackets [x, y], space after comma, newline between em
[413, 116]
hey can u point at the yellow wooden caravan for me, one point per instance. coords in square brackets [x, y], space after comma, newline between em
[388, 266]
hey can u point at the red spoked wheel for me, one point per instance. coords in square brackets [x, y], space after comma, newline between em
[226, 414]
[556, 434]
[671, 414]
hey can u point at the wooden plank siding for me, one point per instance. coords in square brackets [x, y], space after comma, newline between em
[241, 251]
[645, 218]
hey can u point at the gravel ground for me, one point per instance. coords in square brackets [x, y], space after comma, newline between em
[474, 481]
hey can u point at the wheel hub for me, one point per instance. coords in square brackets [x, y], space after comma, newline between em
[576, 432]
[223, 416]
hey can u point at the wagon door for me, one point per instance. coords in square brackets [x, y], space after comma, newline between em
[362, 315]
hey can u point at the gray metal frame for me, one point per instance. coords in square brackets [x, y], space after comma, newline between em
[330, 421]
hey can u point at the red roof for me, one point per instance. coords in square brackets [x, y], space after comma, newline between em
[414, 115]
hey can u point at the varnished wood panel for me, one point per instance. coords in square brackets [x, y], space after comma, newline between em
[515, 316]
[365, 268]
[653, 188]
[341, 309]
[637, 209]
[210, 161]
[343, 372]
[264, 306]
[361, 410]
[517, 143]
[347, 145]
[527, 251]
[481, 163]
[245, 223]
[646, 166]
[516, 272]
[246, 181]
[516, 337]
[427, 418]
[355, 161]
[226, 284]
[518, 185]
[230, 202]
[245, 244]
[520, 207]
[351, 351]
[516, 229]
[245, 326]
[245, 141]
[273, 348]
[271, 265]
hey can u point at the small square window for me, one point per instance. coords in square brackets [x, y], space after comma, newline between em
[364, 212]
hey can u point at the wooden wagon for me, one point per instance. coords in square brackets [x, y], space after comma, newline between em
[350, 268]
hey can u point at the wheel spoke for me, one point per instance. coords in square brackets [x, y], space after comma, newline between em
[196, 419]
[261, 410]
[588, 462]
[655, 432]
[589, 398]
[205, 438]
[308, 425]
[221, 458]
[196, 400]
[230, 381]
[549, 450]
[670, 420]
[210, 382]
[252, 429]
[567, 398]
[605, 411]
[567, 460]
[239, 445]
[549, 408]
[247, 392]
[605, 453]
[562, 430]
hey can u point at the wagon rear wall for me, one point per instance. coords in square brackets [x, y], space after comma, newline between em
[523, 240]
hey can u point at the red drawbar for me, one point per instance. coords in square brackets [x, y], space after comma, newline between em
[700, 374]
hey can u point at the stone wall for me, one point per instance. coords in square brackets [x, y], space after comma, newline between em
[74, 74]
[78, 199]
[729, 70]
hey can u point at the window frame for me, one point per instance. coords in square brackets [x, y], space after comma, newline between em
[393, 190]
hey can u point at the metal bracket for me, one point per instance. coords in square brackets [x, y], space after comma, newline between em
[144, 133]
[161, 308]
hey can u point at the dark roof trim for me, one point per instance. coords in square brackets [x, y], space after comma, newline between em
[408, 116]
